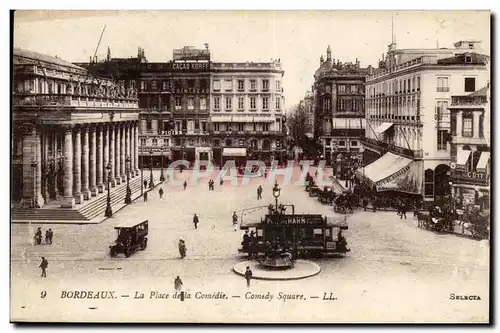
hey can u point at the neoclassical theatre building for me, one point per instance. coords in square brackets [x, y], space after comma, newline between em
[72, 132]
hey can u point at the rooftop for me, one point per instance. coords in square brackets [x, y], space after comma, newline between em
[18, 52]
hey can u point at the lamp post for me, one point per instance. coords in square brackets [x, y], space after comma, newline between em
[151, 183]
[162, 176]
[128, 195]
[109, 211]
[142, 170]
[276, 194]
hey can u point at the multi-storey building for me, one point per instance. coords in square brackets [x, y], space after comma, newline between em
[71, 130]
[408, 122]
[339, 111]
[470, 149]
[246, 111]
[307, 104]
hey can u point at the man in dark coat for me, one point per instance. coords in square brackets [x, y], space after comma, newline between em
[51, 235]
[178, 283]
[43, 265]
[195, 221]
[160, 192]
[145, 184]
[248, 275]
[235, 221]
[185, 185]
[259, 192]
[403, 210]
[145, 196]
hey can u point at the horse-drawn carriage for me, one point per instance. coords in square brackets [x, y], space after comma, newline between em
[314, 191]
[326, 196]
[343, 204]
[434, 223]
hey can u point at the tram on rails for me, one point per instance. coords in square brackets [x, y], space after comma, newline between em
[301, 235]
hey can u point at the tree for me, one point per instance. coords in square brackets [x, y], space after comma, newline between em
[297, 122]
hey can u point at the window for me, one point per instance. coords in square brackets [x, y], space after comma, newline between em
[355, 105]
[216, 127]
[196, 125]
[240, 127]
[341, 88]
[165, 85]
[149, 125]
[265, 127]
[278, 103]
[481, 126]
[155, 142]
[429, 183]
[354, 143]
[413, 84]
[228, 85]
[143, 142]
[154, 85]
[354, 89]
[341, 143]
[178, 103]
[404, 85]
[265, 85]
[442, 139]
[418, 83]
[241, 85]
[468, 59]
[166, 142]
[229, 143]
[278, 85]
[326, 104]
[241, 142]
[328, 142]
[229, 103]
[203, 103]
[253, 85]
[265, 103]
[340, 105]
[216, 103]
[143, 86]
[190, 142]
[216, 85]
[470, 84]
[190, 103]
[252, 103]
[240, 103]
[203, 126]
[442, 84]
[216, 143]
[467, 126]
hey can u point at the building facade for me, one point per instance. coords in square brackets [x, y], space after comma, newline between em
[72, 132]
[407, 115]
[339, 112]
[246, 111]
[470, 150]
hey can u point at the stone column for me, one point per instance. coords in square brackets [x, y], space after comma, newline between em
[131, 140]
[68, 200]
[99, 161]
[137, 145]
[126, 137]
[105, 155]
[123, 151]
[45, 173]
[112, 160]
[85, 163]
[77, 167]
[92, 162]
[118, 154]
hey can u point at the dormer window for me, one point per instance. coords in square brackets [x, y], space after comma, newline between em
[471, 45]
[468, 59]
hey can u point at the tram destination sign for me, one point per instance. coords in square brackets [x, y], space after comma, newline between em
[293, 219]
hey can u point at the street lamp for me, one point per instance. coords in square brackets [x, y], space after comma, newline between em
[276, 194]
[128, 195]
[151, 183]
[162, 176]
[109, 211]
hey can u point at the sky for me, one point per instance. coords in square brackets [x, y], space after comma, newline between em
[297, 38]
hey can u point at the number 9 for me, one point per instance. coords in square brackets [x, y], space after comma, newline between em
[43, 294]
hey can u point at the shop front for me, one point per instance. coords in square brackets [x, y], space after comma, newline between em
[238, 155]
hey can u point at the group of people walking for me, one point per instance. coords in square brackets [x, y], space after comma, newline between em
[49, 234]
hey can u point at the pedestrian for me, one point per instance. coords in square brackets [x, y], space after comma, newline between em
[210, 185]
[195, 221]
[185, 185]
[259, 192]
[38, 236]
[403, 211]
[221, 182]
[43, 265]
[235, 221]
[47, 237]
[160, 192]
[365, 203]
[145, 196]
[265, 173]
[145, 184]
[248, 275]
[51, 235]
[178, 283]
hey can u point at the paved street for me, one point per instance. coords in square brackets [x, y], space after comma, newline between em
[394, 271]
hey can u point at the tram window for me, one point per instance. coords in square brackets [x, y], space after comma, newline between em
[260, 232]
[318, 231]
[327, 232]
[335, 232]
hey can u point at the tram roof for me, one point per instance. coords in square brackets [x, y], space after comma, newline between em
[331, 221]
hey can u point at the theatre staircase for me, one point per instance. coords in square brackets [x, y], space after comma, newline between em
[91, 211]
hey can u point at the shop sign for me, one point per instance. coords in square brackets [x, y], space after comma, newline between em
[191, 66]
[190, 91]
[293, 219]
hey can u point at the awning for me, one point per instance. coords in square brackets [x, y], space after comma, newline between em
[384, 127]
[483, 160]
[393, 172]
[237, 152]
[221, 119]
[462, 156]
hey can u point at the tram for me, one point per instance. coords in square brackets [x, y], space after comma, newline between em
[302, 235]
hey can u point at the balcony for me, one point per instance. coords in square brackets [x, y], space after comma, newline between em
[467, 140]
[49, 100]
[468, 101]
[247, 133]
[470, 178]
[443, 89]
